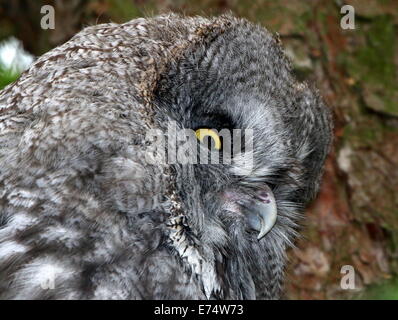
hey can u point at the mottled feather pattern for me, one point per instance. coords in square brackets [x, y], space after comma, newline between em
[79, 201]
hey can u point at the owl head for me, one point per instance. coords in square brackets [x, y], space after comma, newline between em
[245, 134]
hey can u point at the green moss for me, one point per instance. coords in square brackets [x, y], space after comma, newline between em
[7, 77]
[372, 64]
[375, 60]
[302, 21]
[365, 133]
[388, 290]
[122, 10]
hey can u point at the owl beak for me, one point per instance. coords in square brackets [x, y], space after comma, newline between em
[261, 212]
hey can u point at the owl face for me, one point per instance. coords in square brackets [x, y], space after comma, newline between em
[219, 158]
[224, 97]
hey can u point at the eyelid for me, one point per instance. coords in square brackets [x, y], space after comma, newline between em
[203, 132]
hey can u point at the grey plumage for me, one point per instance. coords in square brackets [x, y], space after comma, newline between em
[78, 200]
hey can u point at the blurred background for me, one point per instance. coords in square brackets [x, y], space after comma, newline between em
[354, 220]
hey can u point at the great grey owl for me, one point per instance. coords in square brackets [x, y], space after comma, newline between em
[84, 215]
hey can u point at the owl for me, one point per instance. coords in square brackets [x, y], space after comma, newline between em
[88, 209]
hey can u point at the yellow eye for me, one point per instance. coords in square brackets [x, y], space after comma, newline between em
[202, 133]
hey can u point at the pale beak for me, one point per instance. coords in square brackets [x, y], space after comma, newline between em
[261, 212]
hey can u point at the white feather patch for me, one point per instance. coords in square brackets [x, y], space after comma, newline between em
[10, 248]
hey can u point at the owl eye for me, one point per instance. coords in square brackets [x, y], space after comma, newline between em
[202, 133]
